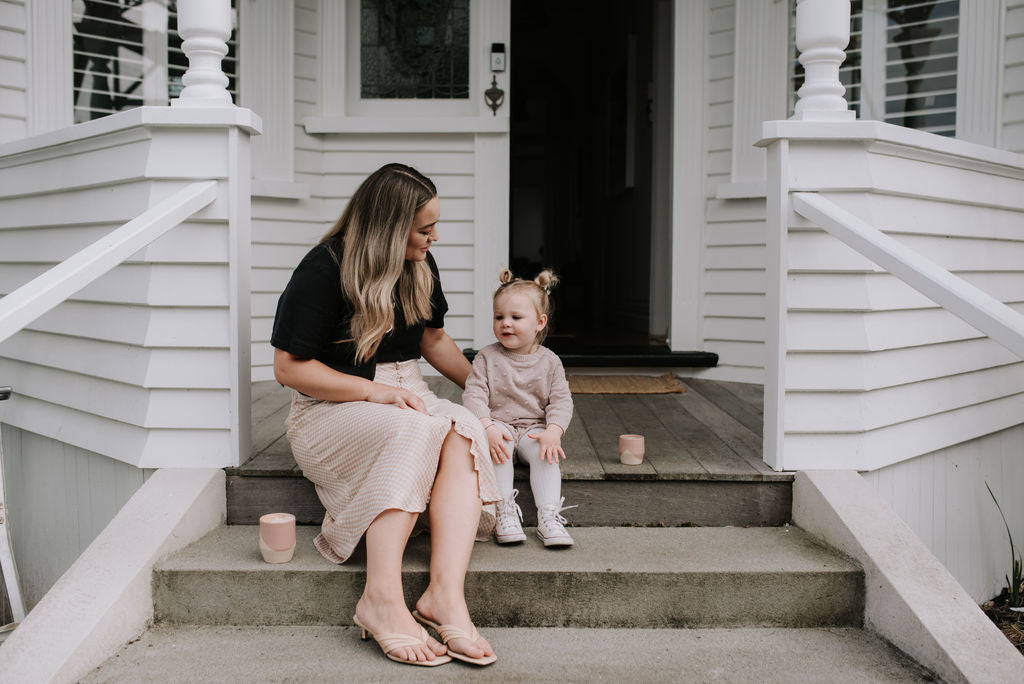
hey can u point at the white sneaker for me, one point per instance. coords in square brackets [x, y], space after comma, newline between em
[509, 527]
[551, 525]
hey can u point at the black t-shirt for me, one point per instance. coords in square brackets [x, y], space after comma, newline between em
[313, 315]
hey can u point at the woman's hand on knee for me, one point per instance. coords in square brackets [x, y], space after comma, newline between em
[396, 396]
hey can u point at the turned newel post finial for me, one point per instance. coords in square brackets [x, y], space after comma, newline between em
[822, 32]
[204, 27]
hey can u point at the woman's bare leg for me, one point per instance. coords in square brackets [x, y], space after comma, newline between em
[454, 516]
[382, 606]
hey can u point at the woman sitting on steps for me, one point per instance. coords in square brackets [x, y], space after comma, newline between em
[359, 311]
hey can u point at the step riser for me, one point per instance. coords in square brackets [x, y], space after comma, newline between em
[601, 503]
[526, 599]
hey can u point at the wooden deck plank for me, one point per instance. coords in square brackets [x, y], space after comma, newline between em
[264, 388]
[733, 406]
[269, 401]
[703, 463]
[661, 448]
[267, 430]
[752, 394]
[689, 436]
[734, 434]
[707, 448]
[275, 460]
[604, 428]
[581, 461]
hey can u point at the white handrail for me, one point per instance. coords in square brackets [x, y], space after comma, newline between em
[36, 297]
[975, 306]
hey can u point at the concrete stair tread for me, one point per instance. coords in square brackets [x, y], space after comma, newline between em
[612, 577]
[597, 549]
[335, 654]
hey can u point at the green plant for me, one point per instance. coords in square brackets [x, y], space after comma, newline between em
[1015, 586]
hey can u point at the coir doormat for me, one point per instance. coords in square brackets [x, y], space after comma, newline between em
[625, 384]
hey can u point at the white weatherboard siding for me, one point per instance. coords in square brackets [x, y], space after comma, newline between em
[1012, 133]
[140, 365]
[13, 71]
[942, 497]
[732, 261]
[865, 371]
[733, 288]
[59, 498]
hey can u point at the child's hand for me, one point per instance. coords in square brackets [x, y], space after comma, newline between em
[550, 443]
[496, 439]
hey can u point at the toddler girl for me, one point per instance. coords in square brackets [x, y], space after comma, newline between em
[518, 390]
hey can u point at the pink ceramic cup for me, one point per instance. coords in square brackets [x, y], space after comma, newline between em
[277, 537]
[631, 449]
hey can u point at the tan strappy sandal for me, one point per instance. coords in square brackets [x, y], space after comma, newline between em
[449, 632]
[389, 641]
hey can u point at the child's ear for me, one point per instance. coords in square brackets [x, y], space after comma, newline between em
[542, 321]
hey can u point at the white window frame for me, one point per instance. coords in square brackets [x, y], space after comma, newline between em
[341, 87]
[358, 106]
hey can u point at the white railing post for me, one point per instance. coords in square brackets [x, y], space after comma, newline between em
[205, 27]
[822, 32]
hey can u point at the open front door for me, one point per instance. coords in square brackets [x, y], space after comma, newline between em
[585, 200]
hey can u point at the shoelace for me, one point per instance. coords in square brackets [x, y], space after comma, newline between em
[510, 510]
[553, 512]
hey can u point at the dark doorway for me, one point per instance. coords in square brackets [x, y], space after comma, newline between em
[581, 166]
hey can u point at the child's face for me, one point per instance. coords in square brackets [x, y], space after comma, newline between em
[516, 322]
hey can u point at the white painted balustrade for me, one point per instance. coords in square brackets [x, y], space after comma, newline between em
[894, 327]
[822, 33]
[204, 26]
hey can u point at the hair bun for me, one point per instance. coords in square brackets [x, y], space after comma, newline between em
[546, 279]
[505, 276]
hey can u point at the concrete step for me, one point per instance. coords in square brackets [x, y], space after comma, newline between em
[602, 502]
[169, 654]
[612, 577]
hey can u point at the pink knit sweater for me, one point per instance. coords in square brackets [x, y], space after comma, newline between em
[518, 389]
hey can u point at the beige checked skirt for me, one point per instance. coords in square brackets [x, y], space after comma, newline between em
[366, 458]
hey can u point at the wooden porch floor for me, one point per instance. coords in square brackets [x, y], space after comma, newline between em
[710, 432]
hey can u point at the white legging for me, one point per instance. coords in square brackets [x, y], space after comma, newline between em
[545, 478]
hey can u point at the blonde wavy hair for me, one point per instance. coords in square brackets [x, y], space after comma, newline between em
[537, 290]
[375, 274]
